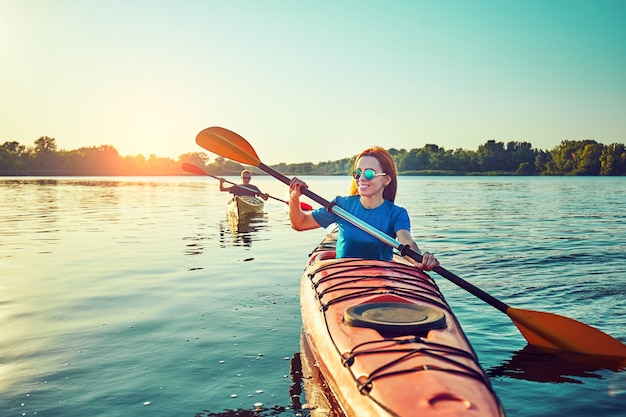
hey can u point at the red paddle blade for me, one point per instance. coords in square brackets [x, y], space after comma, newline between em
[228, 144]
[193, 169]
[552, 331]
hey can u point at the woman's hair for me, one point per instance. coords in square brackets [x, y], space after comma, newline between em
[388, 166]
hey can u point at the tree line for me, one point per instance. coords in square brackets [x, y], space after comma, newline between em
[583, 157]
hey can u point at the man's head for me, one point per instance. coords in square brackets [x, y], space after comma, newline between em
[246, 176]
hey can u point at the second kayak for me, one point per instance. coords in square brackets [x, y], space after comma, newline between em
[244, 205]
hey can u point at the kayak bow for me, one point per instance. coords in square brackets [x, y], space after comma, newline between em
[385, 342]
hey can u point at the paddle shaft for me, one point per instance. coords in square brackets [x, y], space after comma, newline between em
[243, 187]
[225, 180]
[383, 237]
[407, 251]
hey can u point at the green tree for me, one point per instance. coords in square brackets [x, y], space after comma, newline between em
[14, 148]
[435, 155]
[94, 160]
[11, 157]
[563, 158]
[575, 158]
[520, 157]
[200, 159]
[45, 144]
[134, 165]
[588, 159]
[464, 161]
[613, 160]
[45, 158]
[223, 166]
[542, 159]
[492, 156]
[414, 160]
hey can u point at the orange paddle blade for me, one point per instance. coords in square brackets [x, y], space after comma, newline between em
[193, 169]
[228, 144]
[557, 332]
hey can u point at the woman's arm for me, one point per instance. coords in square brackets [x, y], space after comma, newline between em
[300, 220]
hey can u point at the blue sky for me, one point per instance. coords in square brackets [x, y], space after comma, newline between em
[312, 80]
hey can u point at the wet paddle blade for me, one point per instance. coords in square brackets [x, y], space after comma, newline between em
[552, 331]
[228, 144]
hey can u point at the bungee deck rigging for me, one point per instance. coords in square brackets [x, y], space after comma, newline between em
[339, 277]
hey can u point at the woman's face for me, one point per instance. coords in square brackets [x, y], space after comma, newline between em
[377, 184]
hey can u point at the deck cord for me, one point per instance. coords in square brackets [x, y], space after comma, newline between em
[426, 291]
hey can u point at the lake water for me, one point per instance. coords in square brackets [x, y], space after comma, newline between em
[137, 297]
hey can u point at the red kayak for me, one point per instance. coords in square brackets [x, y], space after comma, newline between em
[379, 339]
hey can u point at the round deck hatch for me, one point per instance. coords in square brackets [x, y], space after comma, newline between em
[395, 318]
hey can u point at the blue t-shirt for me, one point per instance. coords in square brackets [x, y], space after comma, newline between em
[353, 242]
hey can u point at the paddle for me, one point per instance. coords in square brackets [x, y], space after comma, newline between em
[545, 330]
[194, 169]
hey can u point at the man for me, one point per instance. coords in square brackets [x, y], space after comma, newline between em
[245, 188]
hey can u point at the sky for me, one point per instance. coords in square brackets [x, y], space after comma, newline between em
[311, 81]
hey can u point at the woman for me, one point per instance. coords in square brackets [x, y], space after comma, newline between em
[373, 192]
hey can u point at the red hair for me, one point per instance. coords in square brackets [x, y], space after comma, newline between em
[388, 166]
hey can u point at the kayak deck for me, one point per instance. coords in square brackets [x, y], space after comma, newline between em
[386, 342]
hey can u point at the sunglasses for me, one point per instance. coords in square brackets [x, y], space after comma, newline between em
[369, 174]
[246, 178]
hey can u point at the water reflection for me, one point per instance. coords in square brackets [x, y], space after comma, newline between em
[307, 383]
[241, 230]
[232, 231]
[534, 364]
[296, 408]
[195, 245]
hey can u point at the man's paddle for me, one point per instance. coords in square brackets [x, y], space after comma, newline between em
[540, 329]
[194, 169]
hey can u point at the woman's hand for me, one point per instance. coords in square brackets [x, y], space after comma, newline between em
[295, 186]
[428, 261]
